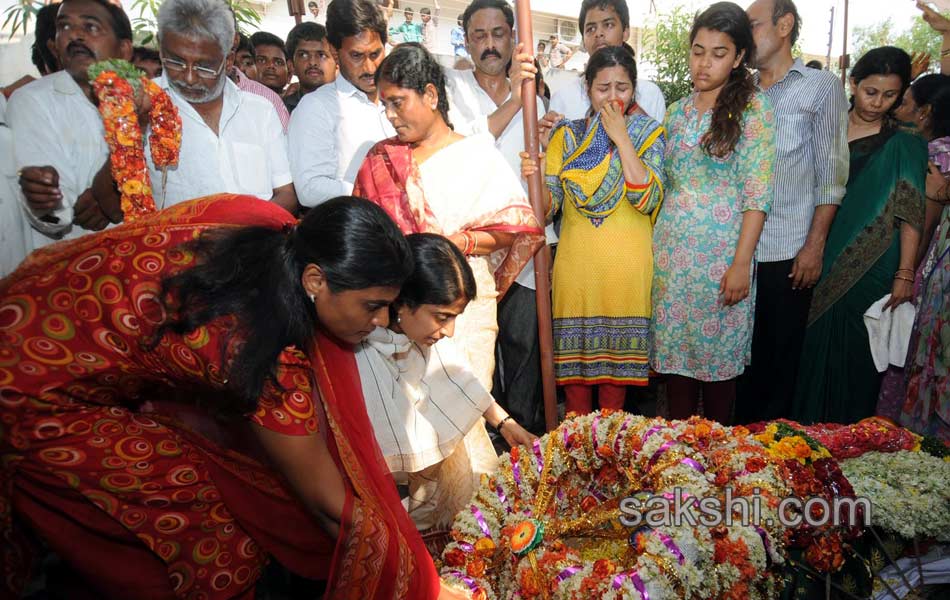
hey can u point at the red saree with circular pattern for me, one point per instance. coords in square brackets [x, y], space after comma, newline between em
[138, 504]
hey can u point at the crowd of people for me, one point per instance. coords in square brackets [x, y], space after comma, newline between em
[299, 357]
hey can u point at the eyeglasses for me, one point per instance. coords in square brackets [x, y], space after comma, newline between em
[177, 66]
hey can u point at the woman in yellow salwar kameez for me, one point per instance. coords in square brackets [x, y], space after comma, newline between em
[605, 174]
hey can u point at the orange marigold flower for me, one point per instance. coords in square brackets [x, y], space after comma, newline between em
[475, 568]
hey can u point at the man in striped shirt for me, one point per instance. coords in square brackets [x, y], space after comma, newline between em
[811, 170]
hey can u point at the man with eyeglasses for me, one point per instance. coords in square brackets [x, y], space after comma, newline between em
[58, 137]
[271, 57]
[232, 141]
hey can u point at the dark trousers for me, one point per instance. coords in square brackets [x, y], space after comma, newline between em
[766, 389]
[517, 380]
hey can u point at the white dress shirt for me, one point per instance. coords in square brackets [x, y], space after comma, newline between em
[247, 156]
[469, 108]
[54, 124]
[573, 102]
[14, 232]
[331, 130]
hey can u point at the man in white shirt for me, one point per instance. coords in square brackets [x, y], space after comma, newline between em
[560, 53]
[486, 100]
[58, 136]
[430, 26]
[605, 23]
[333, 127]
[232, 141]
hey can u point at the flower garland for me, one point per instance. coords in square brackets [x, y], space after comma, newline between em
[910, 491]
[547, 524]
[810, 472]
[871, 434]
[116, 83]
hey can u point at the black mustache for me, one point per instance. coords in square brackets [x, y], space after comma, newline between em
[490, 52]
[74, 46]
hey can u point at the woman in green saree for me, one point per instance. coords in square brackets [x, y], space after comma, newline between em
[870, 249]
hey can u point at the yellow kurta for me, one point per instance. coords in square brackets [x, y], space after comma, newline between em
[603, 272]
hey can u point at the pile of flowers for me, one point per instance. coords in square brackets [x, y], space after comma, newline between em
[563, 520]
[910, 491]
[810, 471]
[872, 434]
[573, 516]
[116, 83]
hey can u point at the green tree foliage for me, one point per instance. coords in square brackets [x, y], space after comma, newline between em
[919, 38]
[17, 17]
[666, 46]
[145, 25]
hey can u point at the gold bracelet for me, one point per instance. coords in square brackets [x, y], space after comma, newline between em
[475, 239]
[904, 278]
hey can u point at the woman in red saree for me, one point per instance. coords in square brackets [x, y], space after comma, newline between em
[225, 300]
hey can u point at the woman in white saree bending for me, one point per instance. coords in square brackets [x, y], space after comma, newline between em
[424, 402]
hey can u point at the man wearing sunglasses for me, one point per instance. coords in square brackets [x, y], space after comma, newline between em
[232, 141]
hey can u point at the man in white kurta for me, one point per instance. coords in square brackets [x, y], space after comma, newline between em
[14, 233]
[605, 23]
[248, 155]
[58, 136]
[484, 100]
[333, 127]
[231, 141]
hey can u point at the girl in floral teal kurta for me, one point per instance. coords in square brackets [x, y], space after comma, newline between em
[718, 166]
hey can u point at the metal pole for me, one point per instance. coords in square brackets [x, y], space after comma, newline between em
[542, 260]
[831, 36]
[845, 61]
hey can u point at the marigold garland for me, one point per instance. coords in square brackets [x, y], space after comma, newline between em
[546, 524]
[115, 83]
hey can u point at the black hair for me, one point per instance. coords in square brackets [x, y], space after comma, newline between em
[121, 26]
[620, 6]
[885, 60]
[42, 57]
[940, 113]
[312, 4]
[725, 128]
[440, 275]
[304, 32]
[254, 275]
[611, 56]
[933, 90]
[926, 86]
[478, 5]
[780, 8]
[346, 18]
[143, 53]
[265, 38]
[412, 67]
[244, 44]
[408, 9]
[425, 10]
[539, 84]
[815, 64]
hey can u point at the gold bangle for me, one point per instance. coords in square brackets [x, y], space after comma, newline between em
[475, 239]
[904, 278]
